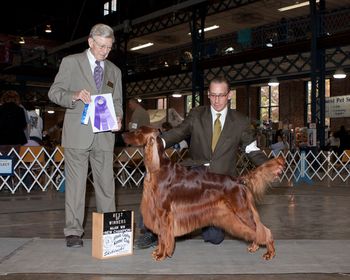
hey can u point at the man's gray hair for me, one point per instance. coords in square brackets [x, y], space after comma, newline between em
[102, 30]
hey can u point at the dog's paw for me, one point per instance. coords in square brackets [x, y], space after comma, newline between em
[252, 248]
[157, 256]
[269, 256]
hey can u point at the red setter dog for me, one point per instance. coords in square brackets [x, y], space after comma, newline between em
[177, 200]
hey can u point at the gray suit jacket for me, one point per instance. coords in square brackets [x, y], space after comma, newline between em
[235, 133]
[74, 75]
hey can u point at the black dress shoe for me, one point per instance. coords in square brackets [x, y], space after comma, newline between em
[74, 241]
[147, 240]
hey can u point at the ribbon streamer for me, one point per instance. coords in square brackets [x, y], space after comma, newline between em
[102, 115]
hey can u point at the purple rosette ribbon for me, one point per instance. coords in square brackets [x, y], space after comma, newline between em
[103, 118]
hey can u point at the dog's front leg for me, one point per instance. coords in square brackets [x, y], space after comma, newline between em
[169, 235]
[166, 239]
[270, 251]
[157, 253]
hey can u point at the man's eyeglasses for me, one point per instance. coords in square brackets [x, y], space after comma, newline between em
[102, 47]
[220, 95]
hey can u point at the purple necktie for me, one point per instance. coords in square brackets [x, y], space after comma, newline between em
[98, 74]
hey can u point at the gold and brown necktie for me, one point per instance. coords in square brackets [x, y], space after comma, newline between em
[216, 131]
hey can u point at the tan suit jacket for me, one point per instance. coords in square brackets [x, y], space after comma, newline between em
[140, 117]
[235, 134]
[74, 75]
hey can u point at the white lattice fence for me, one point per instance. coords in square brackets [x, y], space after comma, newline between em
[39, 168]
[34, 167]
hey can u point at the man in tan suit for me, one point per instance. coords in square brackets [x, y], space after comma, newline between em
[80, 76]
[233, 132]
[139, 117]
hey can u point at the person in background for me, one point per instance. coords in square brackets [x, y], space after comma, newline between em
[12, 120]
[333, 142]
[35, 127]
[53, 135]
[139, 117]
[344, 140]
[280, 146]
[27, 129]
[261, 139]
[217, 132]
[80, 76]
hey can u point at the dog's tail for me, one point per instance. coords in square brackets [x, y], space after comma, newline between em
[259, 179]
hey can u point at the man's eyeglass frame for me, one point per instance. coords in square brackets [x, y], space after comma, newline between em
[220, 95]
[101, 47]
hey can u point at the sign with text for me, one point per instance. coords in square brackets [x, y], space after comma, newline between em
[112, 234]
[6, 166]
[338, 106]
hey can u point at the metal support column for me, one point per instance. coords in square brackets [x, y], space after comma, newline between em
[249, 103]
[197, 25]
[317, 71]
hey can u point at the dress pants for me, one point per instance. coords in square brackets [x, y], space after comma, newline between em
[76, 168]
[210, 234]
[213, 235]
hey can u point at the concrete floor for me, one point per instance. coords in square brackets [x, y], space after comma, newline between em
[318, 212]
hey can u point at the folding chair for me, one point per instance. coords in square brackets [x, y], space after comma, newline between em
[345, 159]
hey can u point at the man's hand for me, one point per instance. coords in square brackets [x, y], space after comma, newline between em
[119, 121]
[82, 95]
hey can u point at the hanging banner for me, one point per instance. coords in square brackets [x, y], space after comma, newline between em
[337, 106]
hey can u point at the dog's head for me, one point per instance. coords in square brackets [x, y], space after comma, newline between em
[259, 179]
[277, 164]
[272, 169]
[146, 137]
[140, 136]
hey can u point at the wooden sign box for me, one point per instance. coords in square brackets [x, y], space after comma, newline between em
[112, 234]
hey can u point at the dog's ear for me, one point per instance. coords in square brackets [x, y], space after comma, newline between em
[151, 157]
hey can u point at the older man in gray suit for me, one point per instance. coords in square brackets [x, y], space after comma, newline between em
[80, 76]
[216, 133]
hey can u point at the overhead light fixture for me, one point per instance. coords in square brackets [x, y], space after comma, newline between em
[213, 27]
[339, 74]
[21, 41]
[48, 28]
[273, 82]
[176, 95]
[206, 29]
[295, 6]
[139, 100]
[269, 45]
[142, 46]
[229, 50]
[50, 111]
